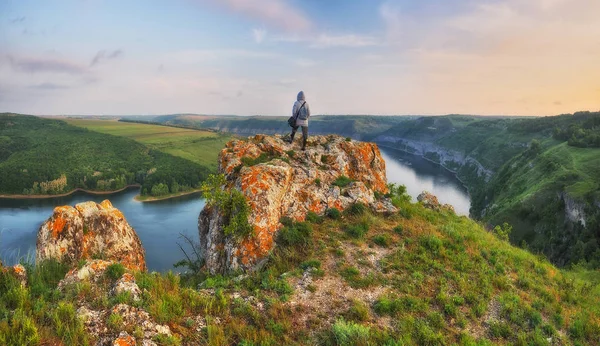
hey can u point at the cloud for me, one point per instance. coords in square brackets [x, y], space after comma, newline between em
[49, 86]
[193, 56]
[341, 41]
[35, 65]
[17, 20]
[326, 40]
[305, 62]
[273, 13]
[259, 35]
[105, 55]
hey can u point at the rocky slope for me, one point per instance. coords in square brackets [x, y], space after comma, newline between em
[89, 229]
[288, 183]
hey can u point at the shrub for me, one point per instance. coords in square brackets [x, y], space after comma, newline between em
[68, 326]
[382, 240]
[342, 181]
[358, 312]
[310, 264]
[349, 333]
[357, 209]
[333, 213]
[357, 231]
[232, 203]
[503, 232]
[313, 217]
[318, 182]
[291, 153]
[114, 271]
[431, 243]
[398, 229]
[20, 330]
[348, 139]
[296, 234]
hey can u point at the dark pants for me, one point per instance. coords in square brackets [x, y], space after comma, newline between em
[304, 134]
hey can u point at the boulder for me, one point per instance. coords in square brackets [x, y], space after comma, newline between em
[87, 230]
[277, 180]
[430, 201]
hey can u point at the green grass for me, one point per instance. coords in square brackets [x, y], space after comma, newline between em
[436, 280]
[198, 146]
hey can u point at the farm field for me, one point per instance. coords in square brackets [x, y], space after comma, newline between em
[198, 146]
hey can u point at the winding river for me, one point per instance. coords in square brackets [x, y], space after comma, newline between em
[160, 224]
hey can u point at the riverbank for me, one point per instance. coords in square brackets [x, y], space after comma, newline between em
[66, 194]
[144, 199]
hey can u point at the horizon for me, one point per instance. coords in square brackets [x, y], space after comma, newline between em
[250, 57]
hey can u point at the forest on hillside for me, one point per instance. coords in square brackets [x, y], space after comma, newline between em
[45, 157]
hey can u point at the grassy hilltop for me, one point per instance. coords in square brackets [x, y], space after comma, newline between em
[418, 277]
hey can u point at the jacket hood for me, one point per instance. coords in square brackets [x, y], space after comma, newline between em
[301, 96]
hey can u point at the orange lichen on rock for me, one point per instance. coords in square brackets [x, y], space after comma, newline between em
[86, 230]
[291, 184]
[125, 340]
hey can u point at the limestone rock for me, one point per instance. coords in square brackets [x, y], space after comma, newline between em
[88, 229]
[430, 201]
[90, 271]
[127, 284]
[288, 183]
[124, 339]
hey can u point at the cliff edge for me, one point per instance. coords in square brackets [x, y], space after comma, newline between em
[278, 180]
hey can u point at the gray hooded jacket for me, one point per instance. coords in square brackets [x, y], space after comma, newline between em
[304, 112]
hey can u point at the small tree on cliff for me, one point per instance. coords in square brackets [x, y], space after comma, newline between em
[231, 203]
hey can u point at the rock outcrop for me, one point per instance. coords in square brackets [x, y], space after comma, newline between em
[430, 201]
[288, 183]
[90, 229]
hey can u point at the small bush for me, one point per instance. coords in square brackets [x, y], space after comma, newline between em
[358, 312]
[313, 217]
[291, 153]
[68, 326]
[114, 271]
[318, 182]
[19, 330]
[296, 234]
[349, 333]
[114, 322]
[431, 243]
[348, 139]
[399, 229]
[382, 240]
[333, 213]
[342, 181]
[357, 231]
[310, 264]
[357, 209]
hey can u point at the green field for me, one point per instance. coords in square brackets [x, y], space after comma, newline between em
[198, 146]
[48, 157]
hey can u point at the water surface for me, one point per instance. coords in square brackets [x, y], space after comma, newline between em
[419, 175]
[159, 224]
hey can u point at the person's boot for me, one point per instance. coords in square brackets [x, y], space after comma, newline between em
[304, 144]
[292, 137]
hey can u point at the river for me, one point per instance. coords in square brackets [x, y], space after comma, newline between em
[160, 224]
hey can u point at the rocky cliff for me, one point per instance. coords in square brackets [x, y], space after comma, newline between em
[278, 180]
[90, 230]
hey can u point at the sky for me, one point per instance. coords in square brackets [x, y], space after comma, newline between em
[251, 57]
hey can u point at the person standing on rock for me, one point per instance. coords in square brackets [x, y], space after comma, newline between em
[301, 111]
